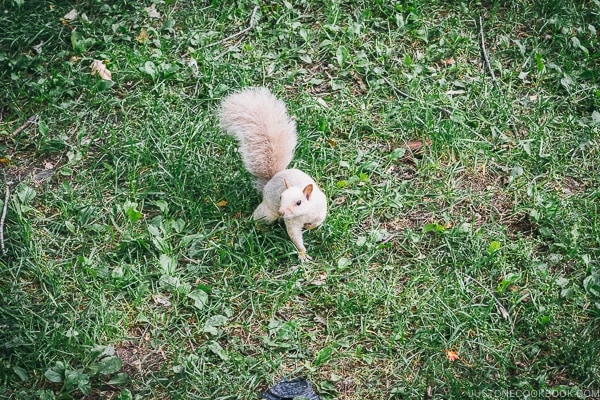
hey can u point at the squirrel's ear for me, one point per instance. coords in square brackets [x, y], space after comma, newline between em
[286, 183]
[308, 191]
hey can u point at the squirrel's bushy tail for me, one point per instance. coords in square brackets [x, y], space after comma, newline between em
[266, 134]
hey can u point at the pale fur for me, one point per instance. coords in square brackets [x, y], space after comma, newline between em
[266, 134]
[267, 138]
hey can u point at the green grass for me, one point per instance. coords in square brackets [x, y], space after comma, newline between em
[133, 269]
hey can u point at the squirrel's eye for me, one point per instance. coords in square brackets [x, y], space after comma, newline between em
[299, 202]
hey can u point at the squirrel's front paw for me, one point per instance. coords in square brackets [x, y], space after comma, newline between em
[302, 256]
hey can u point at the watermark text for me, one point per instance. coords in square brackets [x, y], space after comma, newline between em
[567, 393]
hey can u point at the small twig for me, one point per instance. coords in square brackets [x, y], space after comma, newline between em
[499, 305]
[243, 31]
[190, 260]
[32, 120]
[4, 208]
[386, 240]
[400, 93]
[484, 54]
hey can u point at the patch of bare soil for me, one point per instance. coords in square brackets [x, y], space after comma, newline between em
[139, 356]
[24, 163]
[482, 197]
[479, 199]
[35, 171]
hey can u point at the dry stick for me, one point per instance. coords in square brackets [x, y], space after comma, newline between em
[32, 120]
[501, 308]
[4, 208]
[400, 93]
[409, 97]
[486, 60]
[250, 27]
[488, 66]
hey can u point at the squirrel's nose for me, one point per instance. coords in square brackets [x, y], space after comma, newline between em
[281, 213]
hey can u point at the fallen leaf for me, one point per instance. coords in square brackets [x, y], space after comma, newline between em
[322, 102]
[48, 165]
[332, 142]
[99, 68]
[339, 200]
[4, 160]
[152, 12]
[161, 301]
[143, 36]
[416, 146]
[38, 47]
[71, 15]
[320, 281]
[449, 61]
[222, 203]
[429, 392]
[451, 355]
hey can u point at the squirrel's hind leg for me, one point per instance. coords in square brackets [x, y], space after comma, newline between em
[264, 215]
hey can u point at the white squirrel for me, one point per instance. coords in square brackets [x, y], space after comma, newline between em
[267, 137]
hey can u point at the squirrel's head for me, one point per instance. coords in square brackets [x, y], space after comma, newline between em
[294, 200]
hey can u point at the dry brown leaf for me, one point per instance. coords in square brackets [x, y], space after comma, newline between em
[452, 355]
[417, 145]
[143, 36]
[222, 203]
[4, 160]
[99, 68]
[449, 61]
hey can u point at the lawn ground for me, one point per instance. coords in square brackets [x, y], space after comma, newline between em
[457, 143]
